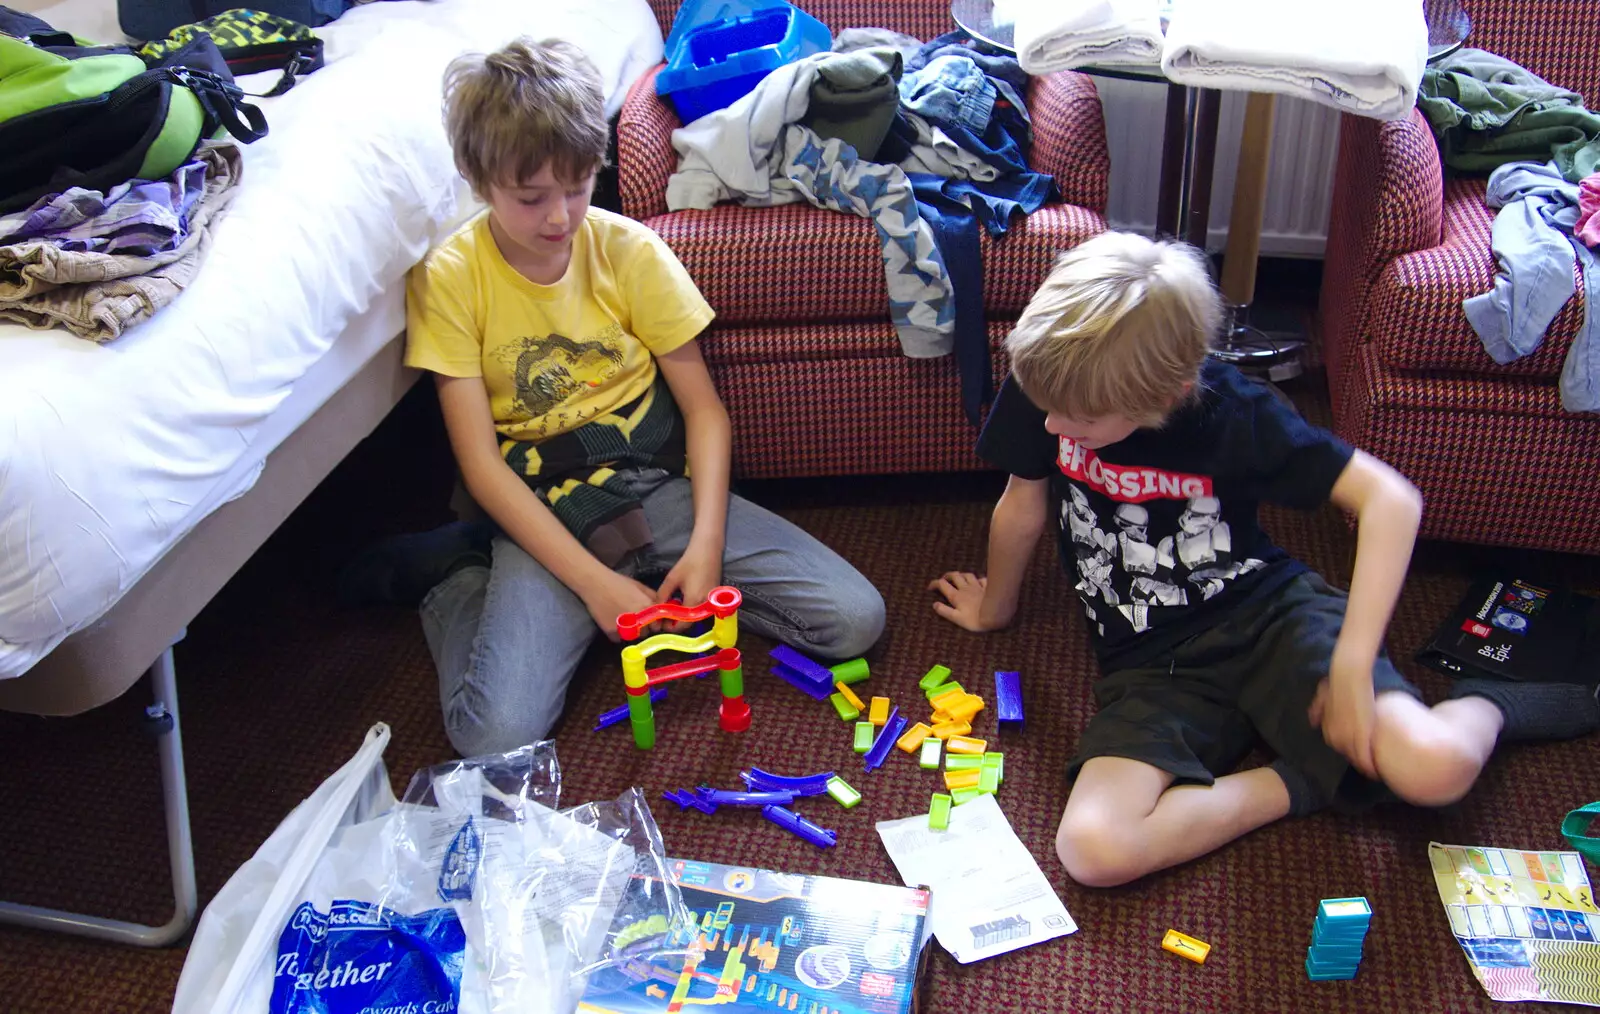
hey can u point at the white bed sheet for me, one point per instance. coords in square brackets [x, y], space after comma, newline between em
[110, 454]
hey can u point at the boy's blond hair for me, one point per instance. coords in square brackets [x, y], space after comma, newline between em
[520, 107]
[1120, 326]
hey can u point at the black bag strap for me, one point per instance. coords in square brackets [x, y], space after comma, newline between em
[223, 102]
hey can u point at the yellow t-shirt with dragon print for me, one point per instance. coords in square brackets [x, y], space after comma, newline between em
[553, 357]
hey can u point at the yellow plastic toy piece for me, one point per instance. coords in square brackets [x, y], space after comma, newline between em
[966, 744]
[911, 742]
[1185, 946]
[939, 701]
[964, 709]
[961, 779]
[944, 730]
[849, 695]
[878, 714]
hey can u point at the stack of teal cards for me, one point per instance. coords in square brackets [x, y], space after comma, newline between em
[1335, 951]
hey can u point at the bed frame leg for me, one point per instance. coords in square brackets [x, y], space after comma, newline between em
[163, 718]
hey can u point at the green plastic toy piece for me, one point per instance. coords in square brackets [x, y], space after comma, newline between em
[937, 675]
[847, 711]
[853, 671]
[989, 780]
[842, 793]
[939, 812]
[967, 795]
[866, 732]
[996, 761]
[931, 748]
[962, 761]
[945, 688]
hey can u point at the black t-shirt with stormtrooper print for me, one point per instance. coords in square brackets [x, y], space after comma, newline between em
[1159, 530]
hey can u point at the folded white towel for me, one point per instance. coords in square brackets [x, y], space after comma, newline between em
[1362, 56]
[1054, 35]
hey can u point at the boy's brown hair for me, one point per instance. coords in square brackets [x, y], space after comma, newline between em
[530, 103]
[1120, 326]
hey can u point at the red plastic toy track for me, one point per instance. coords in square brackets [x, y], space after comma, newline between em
[722, 602]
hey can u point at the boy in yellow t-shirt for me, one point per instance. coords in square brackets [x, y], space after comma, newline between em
[563, 343]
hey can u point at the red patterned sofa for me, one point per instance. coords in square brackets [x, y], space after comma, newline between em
[802, 349]
[1498, 460]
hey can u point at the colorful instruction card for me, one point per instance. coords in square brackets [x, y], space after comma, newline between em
[1527, 921]
[988, 894]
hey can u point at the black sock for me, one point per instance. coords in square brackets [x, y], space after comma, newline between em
[1537, 710]
[1304, 798]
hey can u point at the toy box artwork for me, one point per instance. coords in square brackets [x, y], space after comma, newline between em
[764, 941]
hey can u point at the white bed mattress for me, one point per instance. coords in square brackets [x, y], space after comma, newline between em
[110, 454]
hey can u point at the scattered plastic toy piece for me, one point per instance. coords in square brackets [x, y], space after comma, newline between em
[996, 761]
[962, 779]
[723, 797]
[878, 712]
[821, 837]
[800, 785]
[842, 792]
[866, 732]
[848, 694]
[1008, 696]
[803, 667]
[944, 690]
[937, 675]
[842, 705]
[964, 709]
[988, 780]
[932, 747]
[620, 712]
[944, 730]
[892, 728]
[853, 671]
[967, 795]
[962, 762]
[939, 812]
[686, 799]
[966, 744]
[1185, 946]
[915, 736]
[793, 677]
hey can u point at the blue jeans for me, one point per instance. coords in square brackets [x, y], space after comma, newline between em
[507, 639]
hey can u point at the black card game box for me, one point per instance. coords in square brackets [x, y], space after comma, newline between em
[1509, 628]
[764, 941]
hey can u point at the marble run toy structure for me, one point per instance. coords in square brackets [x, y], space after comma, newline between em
[722, 608]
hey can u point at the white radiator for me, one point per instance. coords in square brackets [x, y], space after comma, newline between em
[1305, 140]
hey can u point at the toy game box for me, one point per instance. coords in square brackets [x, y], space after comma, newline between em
[1508, 628]
[765, 941]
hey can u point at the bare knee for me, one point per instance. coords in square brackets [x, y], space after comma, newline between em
[1427, 765]
[1098, 849]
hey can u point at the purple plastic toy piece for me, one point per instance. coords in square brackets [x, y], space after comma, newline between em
[800, 827]
[686, 799]
[723, 797]
[802, 666]
[886, 738]
[620, 714]
[1008, 697]
[817, 691]
[800, 785]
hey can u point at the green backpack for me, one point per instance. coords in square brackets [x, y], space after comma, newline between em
[73, 114]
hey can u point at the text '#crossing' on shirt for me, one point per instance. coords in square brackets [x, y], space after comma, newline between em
[1159, 531]
[553, 357]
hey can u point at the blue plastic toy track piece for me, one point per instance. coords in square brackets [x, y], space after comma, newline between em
[723, 797]
[821, 837]
[803, 667]
[816, 691]
[686, 799]
[886, 739]
[620, 714]
[1008, 696]
[800, 785]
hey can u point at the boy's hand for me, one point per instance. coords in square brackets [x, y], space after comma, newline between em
[697, 571]
[1344, 707]
[963, 605]
[613, 596]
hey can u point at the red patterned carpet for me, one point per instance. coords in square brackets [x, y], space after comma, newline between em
[278, 686]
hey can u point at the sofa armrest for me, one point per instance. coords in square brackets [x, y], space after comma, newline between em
[1069, 137]
[644, 148]
[1388, 200]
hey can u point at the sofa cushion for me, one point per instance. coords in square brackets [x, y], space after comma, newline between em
[1415, 314]
[798, 263]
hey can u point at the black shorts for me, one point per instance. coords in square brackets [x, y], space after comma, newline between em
[1200, 708]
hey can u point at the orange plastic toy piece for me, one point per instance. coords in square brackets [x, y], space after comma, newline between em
[911, 742]
[967, 779]
[965, 744]
[944, 730]
[879, 712]
[849, 695]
